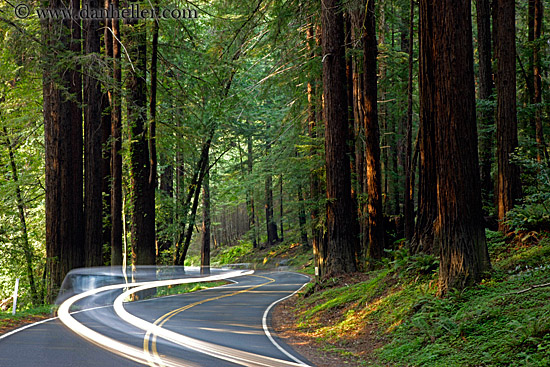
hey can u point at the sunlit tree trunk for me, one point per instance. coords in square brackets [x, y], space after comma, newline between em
[459, 230]
[27, 247]
[372, 137]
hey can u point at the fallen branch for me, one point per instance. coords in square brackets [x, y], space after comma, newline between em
[533, 287]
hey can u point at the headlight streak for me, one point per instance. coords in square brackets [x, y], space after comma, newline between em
[155, 360]
[217, 351]
[114, 346]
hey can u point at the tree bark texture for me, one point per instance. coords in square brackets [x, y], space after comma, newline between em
[93, 154]
[143, 193]
[372, 137]
[251, 206]
[116, 146]
[63, 150]
[205, 240]
[408, 203]
[459, 230]
[271, 226]
[340, 256]
[423, 239]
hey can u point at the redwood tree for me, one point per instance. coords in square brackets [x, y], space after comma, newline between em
[427, 197]
[62, 91]
[116, 145]
[340, 257]
[143, 193]
[93, 162]
[459, 230]
[372, 137]
[508, 184]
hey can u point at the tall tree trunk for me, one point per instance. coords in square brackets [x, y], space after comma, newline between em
[252, 209]
[529, 75]
[281, 213]
[423, 239]
[27, 248]
[372, 137]
[164, 243]
[542, 152]
[205, 241]
[116, 146]
[93, 153]
[357, 18]
[192, 201]
[486, 115]
[143, 194]
[302, 219]
[271, 226]
[341, 239]
[459, 229]
[63, 150]
[314, 111]
[508, 184]
[408, 203]
[153, 180]
[107, 43]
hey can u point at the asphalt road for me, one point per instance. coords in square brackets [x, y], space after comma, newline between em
[221, 326]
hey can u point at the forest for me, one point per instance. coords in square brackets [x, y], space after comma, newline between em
[359, 130]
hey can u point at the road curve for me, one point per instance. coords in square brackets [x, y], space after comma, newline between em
[223, 326]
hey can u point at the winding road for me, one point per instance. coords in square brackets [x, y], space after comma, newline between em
[222, 326]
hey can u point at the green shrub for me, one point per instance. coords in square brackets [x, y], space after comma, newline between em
[232, 254]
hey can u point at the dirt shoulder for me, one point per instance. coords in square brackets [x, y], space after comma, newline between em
[284, 323]
[7, 325]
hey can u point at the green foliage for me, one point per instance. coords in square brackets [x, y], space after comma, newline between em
[534, 212]
[415, 265]
[186, 288]
[21, 128]
[6, 317]
[231, 254]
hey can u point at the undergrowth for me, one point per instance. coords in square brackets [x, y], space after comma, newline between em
[398, 320]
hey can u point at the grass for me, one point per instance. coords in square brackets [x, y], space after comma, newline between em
[33, 311]
[9, 322]
[187, 288]
[293, 255]
[391, 316]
